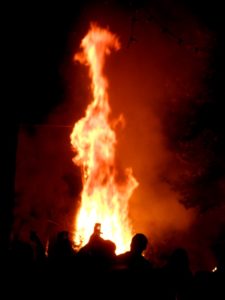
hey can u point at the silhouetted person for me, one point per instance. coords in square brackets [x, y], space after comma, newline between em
[178, 276]
[98, 254]
[133, 270]
[134, 258]
[109, 250]
[38, 247]
[61, 249]
[94, 244]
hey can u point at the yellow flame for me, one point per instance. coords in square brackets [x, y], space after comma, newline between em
[105, 196]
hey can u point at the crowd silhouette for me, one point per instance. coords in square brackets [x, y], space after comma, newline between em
[95, 270]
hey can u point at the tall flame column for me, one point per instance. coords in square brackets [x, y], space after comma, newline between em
[104, 198]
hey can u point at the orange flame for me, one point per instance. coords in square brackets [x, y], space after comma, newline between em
[104, 197]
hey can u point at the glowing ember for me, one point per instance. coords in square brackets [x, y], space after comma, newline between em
[214, 269]
[105, 193]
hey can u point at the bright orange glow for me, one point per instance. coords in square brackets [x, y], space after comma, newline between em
[105, 196]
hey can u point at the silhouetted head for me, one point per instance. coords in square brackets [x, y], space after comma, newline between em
[63, 235]
[139, 243]
[110, 247]
[61, 246]
[179, 258]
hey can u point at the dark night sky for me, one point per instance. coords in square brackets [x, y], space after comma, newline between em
[37, 43]
[37, 37]
[40, 41]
